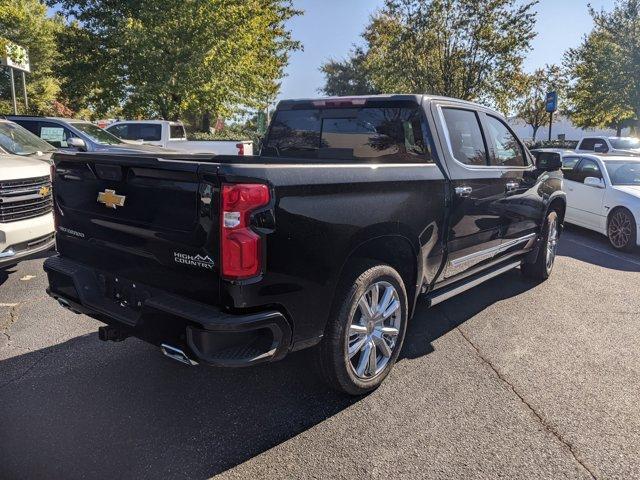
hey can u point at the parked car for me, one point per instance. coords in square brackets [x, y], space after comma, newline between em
[609, 145]
[356, 207]
[26, 221]
[603, 194]
[164, 133]
[77, 135]
[16, 140]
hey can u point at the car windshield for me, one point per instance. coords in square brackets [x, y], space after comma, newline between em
[20, 141]
[625, 143]
[624, 173]
[97, 134]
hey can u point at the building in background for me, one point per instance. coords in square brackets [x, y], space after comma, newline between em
[563, 129]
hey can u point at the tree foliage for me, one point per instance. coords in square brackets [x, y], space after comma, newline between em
[25, 22]
[165, 59]
[347, 77]
[605, 70]
[532, 89]
[468, 49]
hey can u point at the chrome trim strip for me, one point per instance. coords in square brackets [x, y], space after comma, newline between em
[462, 288]
[490, 251]
[7, 254]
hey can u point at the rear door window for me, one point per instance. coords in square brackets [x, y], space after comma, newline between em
[149, 132]
[176, 132]
[465, 136]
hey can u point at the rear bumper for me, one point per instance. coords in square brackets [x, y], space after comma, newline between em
[204, 332]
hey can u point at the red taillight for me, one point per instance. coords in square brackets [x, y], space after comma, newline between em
[240, 147]
[240, 246]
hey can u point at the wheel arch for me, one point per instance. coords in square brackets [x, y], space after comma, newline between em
[394, 250]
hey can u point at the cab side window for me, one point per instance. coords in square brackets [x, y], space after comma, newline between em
[506, 150]
[465, 136]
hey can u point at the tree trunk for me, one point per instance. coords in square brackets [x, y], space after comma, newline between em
[206, 121]
[619, 129]
[535, 131]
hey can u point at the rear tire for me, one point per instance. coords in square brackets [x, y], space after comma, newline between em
[622, 230]
[364, 335]
[541, 268]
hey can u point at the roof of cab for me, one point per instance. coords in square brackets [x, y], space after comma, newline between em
[399, 97]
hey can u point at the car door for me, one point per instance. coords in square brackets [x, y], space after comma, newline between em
[569, 164]
[475, 221]
[586, 201]
[521, 208]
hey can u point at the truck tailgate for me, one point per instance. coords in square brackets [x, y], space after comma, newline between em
[153, 221]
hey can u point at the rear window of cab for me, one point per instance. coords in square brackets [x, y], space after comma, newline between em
[361, 134]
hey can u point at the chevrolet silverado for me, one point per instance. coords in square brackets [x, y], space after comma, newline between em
[354, 209]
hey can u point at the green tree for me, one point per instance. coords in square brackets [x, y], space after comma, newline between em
[347, 77]
[604, 70]
[25, 23]
[530, 106]
[211, 57]
[468, 49]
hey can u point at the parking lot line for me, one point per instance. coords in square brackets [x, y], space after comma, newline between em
[600, 250]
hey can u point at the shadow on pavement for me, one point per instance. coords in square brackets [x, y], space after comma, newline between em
[591, 247]
[429, 324]
[85, 409]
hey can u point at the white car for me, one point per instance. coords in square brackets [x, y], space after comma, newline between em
[603, 194]
[609, 145]
[172, 135]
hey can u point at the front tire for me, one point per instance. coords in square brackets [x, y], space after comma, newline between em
[622, 230]
[541, 268]
[363, 338]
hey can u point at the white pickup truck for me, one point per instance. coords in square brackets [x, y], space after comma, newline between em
[172, 135]
[628, 146]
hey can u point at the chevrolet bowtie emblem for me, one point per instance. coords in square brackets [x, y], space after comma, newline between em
[44, 191]
[111, 199]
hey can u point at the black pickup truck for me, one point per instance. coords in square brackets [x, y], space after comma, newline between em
[355, 208]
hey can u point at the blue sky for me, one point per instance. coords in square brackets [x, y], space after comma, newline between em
[329, 28]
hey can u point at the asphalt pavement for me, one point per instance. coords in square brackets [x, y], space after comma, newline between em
[512, 379]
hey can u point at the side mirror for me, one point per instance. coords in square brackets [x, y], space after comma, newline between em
[549, 161]
[600, 148]
[594, 182]
[78, 143]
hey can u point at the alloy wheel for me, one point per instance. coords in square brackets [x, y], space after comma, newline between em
[620, 229]
[373, 330]
[552, 243]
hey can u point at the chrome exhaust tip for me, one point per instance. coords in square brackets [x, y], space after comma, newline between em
[177, 355]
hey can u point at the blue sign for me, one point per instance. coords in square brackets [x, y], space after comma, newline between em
[551, 104]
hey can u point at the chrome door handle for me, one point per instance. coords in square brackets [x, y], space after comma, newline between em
[511, 186]
[463, 191]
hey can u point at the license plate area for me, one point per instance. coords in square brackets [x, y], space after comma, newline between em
[125, 293]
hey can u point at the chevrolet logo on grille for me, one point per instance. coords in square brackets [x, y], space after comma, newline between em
[44, 191]
[111, 199]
